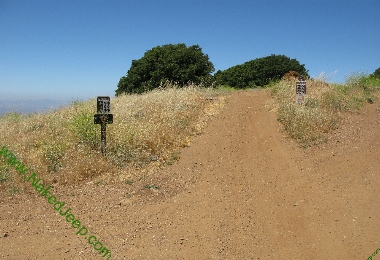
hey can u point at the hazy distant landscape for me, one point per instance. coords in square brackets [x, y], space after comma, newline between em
[29, 106]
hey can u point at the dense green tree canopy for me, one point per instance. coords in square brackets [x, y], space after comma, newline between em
[376, 74]
[177, 63]
[259, 72]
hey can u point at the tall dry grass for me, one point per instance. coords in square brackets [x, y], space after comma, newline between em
[323, 110]
[63, 146]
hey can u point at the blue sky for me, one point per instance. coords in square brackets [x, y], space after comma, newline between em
[79, 49]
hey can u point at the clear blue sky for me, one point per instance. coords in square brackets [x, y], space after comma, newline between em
[63, 49]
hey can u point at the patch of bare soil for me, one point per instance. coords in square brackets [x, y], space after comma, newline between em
[242, 190]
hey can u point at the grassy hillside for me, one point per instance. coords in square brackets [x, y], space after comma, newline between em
[63, 146]
[324, 107]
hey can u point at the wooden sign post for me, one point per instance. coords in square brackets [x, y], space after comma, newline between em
[301, 91]
[103, 117]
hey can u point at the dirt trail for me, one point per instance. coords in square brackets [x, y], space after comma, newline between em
[242, 190]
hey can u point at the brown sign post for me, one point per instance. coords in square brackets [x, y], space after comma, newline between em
[103, 117]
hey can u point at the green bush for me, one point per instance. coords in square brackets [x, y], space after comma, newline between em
[176, 63]
[259, 72]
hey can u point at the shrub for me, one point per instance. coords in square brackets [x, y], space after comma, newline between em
[176, 63]
[260, 72]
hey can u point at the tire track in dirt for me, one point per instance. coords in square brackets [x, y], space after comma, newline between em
[246, 178]
[256, 195]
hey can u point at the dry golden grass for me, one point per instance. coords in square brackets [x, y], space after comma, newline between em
[322, 111]
[63, 146]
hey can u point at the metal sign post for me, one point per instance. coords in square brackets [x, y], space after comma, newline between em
[301, 91]
[103, 118]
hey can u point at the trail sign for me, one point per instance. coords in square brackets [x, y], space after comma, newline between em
[301, 91]
[103, 118]
[301, 87]
[103, 105]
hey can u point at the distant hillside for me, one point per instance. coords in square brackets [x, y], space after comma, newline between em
[29, 106]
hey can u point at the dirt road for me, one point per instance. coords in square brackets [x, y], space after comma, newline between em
[242, 190]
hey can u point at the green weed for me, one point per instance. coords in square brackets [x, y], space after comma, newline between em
[151, 187]
[4, 176]
[84, 128]
[129, 182]
[54, 154]
[13, 190]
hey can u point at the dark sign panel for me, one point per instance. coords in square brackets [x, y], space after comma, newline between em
[103, 105]
[301, 87]
[103, 118]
